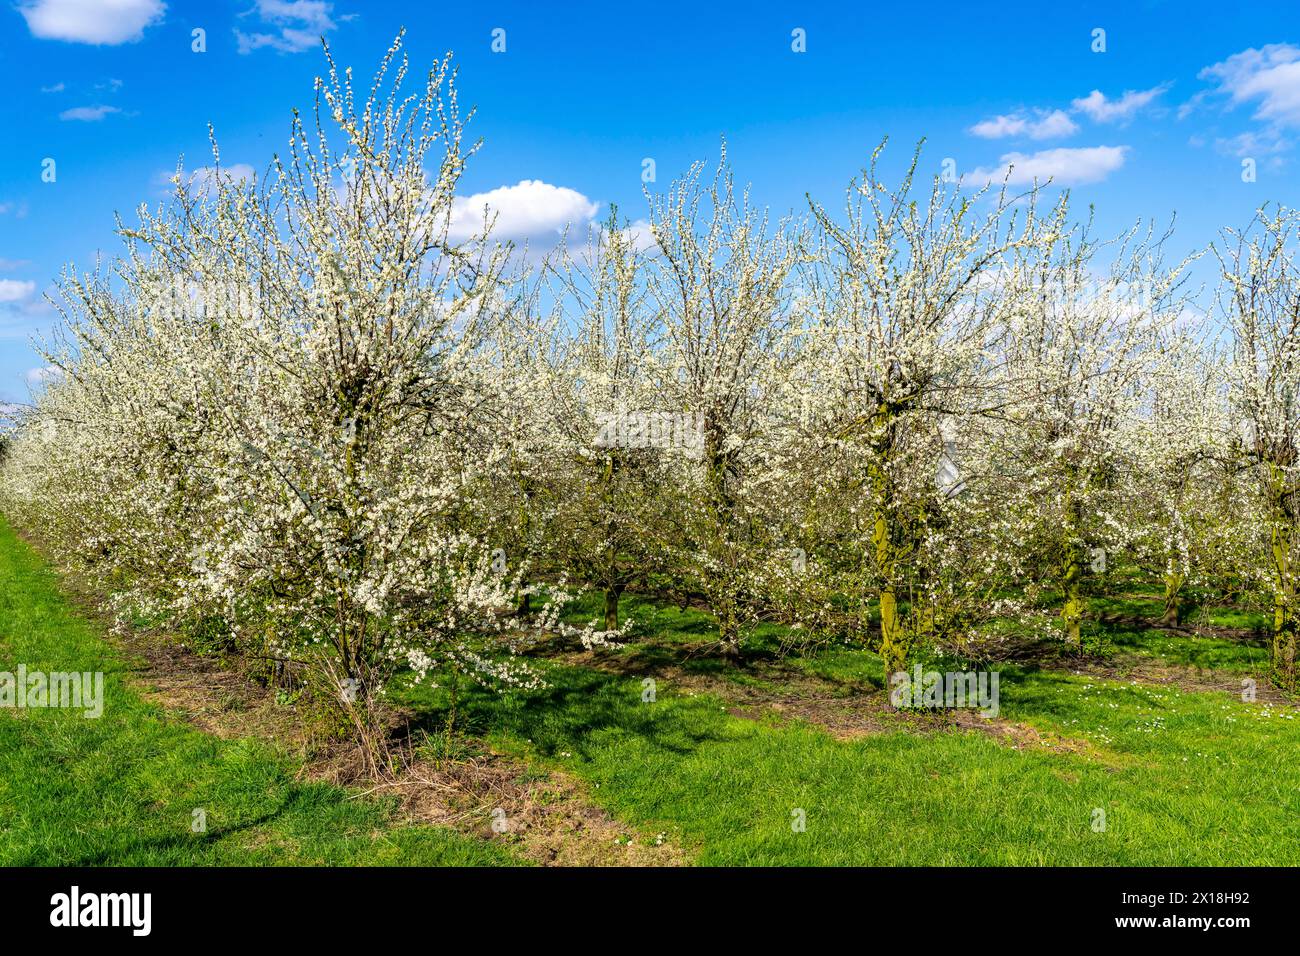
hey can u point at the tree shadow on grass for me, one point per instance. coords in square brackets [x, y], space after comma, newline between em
[578, 708]
[185, 844]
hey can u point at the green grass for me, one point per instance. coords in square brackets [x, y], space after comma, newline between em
[1195, 779]
[121, 789]
[1183, 778]
[1247, 652]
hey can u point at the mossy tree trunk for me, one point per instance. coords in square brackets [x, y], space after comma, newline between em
[1072, 610]
[613, 581]
[612, 595]
[1174, 581]
[525, 530]
[1284, 585]
[1072, 568]
[884, 539]
[726, 590]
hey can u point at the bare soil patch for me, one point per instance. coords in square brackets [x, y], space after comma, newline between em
[543, 816]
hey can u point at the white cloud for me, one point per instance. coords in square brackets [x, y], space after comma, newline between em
[88, 114]
[1064, 166]
[56, 88]
[1103, 110]
[39, 376]
[1269, 76]
[1046, 125]
[1187, 109]
[15, 317]
[206, 176]
[1253, 144]
[203, 180]
[531, 209]
[1000, 126]
[16, 290]
[91, 21]
[641, 236]
[8, 265]
[297, 24]
[1055, 123]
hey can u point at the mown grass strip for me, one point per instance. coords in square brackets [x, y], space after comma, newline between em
[1183, 778]
[122, 789]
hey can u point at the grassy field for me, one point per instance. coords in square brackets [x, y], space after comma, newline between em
[723, 762]
[122, 789]
[1193, 778]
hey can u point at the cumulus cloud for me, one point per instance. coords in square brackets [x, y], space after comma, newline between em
[39, 376]
[1045, 125]
[1055, 123]
[207, 176]
[531, 209]
[1101, 109]
[54, 88]
[999, 126]
[289, 26]
[1249, 143]
[1268, 77]
[88, 114]
[641, 236]
[201, 180]
[16, 290]
[1064, 166]
[101, 22]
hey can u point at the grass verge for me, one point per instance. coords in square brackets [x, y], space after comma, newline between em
[123, 789]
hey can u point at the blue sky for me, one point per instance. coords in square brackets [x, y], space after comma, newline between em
[1159, 122]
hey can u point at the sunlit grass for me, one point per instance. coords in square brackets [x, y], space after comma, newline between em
[1181, 777]
[123, 789]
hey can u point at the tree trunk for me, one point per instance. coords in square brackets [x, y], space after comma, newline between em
[1284, 624]
[1173, 607]
[724, 594]
[729, 627]
[1072, 571]
[893, 642]
[1284, 660]
[1072, 612]
[611, 608]
[893, 648]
